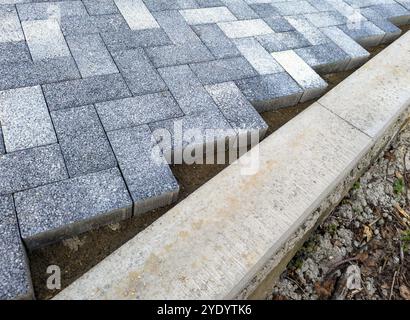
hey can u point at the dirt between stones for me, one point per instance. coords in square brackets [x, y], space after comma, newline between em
[77, 255]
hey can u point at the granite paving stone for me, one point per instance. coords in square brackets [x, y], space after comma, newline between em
[308, 30]
[11, 52]
[131, 112]
[50, 10]
[15, 279]
[30, 168]
[288, 8]
[79, 25]
[391, 31]
[283, 41]
[366, 33]
[81, 92]
[91, 55]
[148, 176]
[164, 5]
[83, 142]
[66, 208]
[10, 28]
[100, 7]
[207, 15]
[240, 9]
[25, 119]
[136, 14]
[245, 28]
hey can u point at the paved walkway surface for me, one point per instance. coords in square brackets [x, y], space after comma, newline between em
[84, 84]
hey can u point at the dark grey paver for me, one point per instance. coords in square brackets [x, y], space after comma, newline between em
[24, 74]
[392, 32]
[264, 9]
[129, 112]
[148, 177]
[223, 70]
[81, 92]
[163, 5]
[30, 168]
[283, 41]
[83, 142]
[14, 52]
[15, 280]
[278, 24]
[270, 92]
[365, 33]
[240, 9]
[47, 10]
[100, 7]
[138, 71]
[78, 25]
[66, 208]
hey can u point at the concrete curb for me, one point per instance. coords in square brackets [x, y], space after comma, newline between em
[237, 231]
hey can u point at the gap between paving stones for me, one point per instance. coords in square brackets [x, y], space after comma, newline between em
[222, 242]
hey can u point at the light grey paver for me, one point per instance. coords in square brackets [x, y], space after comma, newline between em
[311, 83]
[15, 280]
[30, 168]
[138, 71]
[207, 15]
[130, 112]
[294, 7]
[163, 5]
[149, 178]
[283, 41]
[83, 142]
[82, 92]
[240, 9]
[257, 56]
[55, 211]
[10, 29]
[50, 10]
[326, 19]
[45, 39]
[25, 119]
[136, 14]
[308, 30]
[245, 28]
[91, 55]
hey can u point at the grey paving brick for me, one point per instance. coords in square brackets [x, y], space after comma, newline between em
[127, 39]
[15, 279]
[30, 168]
[164, 5]
[321, 5]
[288, 8]
[326, 19]
[391, 31]
[257, 56]
[207, 15]
[10, 29]
[23, 74]
[311, 83]
[394, 12]
[82, 92]
[25, 119]
[131, 112]
[216, 41]
[264, 9]
[14, 52]
[271, 91]
[283, 41]
[365, 33]
[325, 58]
[358, 55]
[136, 14]
[187, 89]
[63, 209]
[278, 24]
[179, 54]
[149, 178]
[223, 70]
[78, 25]
[404, 3]
[240, 9]
[209, 3]
[50, 10]
[83, 142]
[91, 55]
[240, 114]
[100, 7]
[138, 71]
[245, 28]
[308, 30]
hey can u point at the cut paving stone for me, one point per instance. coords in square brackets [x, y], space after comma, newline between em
[223, 70]
[216, 41]
[91, 55]
[45, 39]
[257, 56]
[50, 10]
[325, 58]
[207, 15]
[358, 55]
[391, 31]
[311, 83]
[25, 74]
[148, 176]
[82, 92]
[271, 91]
[66, 208]
[25, 119]
[136, 14]
[365, 33]
[245, 28]
[138, 71]
[30, 168]
[15, 280]
[10, 29]
[83, 142]
[131, 112]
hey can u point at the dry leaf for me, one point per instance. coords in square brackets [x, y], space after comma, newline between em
[367, 233]
[404, 292]
[325, 289]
